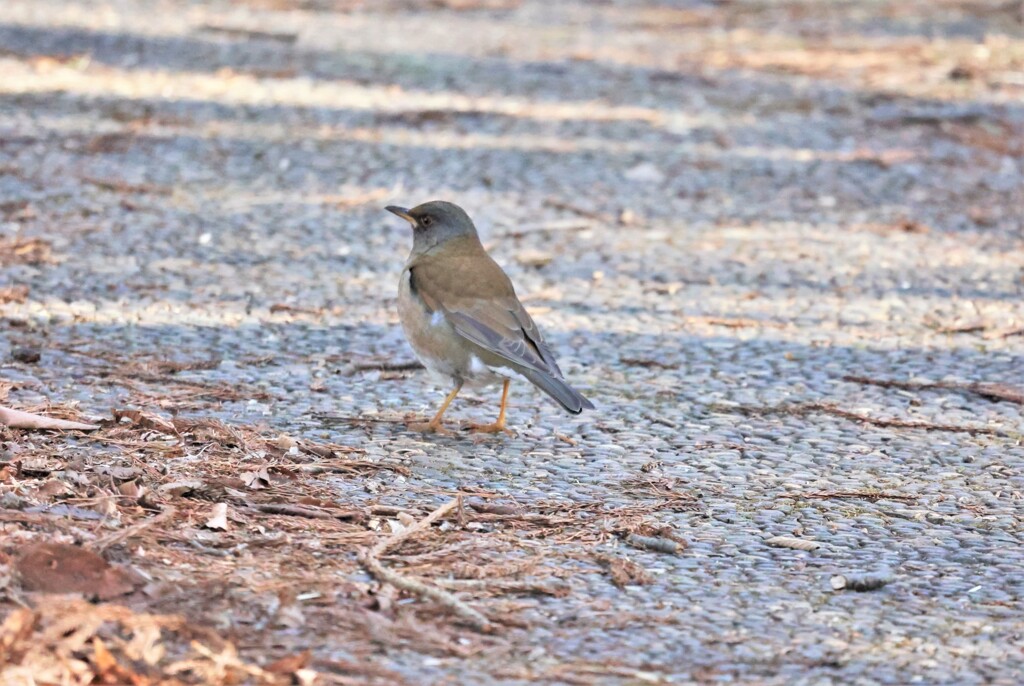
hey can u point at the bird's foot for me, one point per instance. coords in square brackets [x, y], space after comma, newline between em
[429, 428]
[492, 428]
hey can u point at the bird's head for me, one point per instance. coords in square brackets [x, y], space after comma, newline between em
[434, 223]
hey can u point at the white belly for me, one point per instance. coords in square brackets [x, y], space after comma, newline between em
[440, 348]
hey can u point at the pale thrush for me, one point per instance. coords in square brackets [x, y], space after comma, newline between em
[463, 319]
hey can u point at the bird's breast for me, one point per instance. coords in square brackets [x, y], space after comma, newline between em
[432, 338]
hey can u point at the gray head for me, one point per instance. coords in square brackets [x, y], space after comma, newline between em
[434, 223]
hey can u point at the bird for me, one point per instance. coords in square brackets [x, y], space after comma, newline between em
[460, 314]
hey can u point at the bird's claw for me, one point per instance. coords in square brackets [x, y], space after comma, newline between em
[492, 428]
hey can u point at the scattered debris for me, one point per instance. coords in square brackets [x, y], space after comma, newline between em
[14, 294]
[118, 537]
[656, 364]
[861, 582]
[34, 251]
[26, 354]
[624, 572]
[794, 543]
[655, 543]
[870, 495]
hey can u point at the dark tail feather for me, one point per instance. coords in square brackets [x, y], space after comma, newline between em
[566, 395]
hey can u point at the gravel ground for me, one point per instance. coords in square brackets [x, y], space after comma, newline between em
[717, 213]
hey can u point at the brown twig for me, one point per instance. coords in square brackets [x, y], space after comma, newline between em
[990, 390]
[119, 186]
[873, 496]
[251, 34]
[576, 209]
[383, 366]
[309, 512]
[371, 560]
[503, 586]
[802, 409]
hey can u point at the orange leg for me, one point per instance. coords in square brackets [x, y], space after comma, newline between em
[434, 425]
[498, 425]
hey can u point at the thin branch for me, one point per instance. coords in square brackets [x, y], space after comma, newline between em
[803, 409]
[371, 560]
[986, 389]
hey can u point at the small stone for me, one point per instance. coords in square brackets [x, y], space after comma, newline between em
[26, 354]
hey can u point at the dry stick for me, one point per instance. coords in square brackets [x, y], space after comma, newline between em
[992, 391]
[101, 544]
[300, 511]
[503, 586]
[384, 366]
[800, 409]
[900, 423]
[371, 560]
[873, 496]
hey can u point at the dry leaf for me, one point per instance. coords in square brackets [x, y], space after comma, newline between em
[257, 480]
[794, 543]
[181, 487]
[218, 517]
[51, 489]
[62, 568]
[146, 420]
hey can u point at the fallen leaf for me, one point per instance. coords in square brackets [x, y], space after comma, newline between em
[218, 517]
[145, 420]
[257, 480]
[181, 487]
[63, 568]
[51, 489]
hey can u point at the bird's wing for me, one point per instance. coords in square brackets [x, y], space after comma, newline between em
[479, 302]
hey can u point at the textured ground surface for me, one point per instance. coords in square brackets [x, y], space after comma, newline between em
[716, 212]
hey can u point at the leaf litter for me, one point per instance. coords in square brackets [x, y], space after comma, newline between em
[172, 523]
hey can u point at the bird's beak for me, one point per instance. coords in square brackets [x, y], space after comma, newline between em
[401, 212]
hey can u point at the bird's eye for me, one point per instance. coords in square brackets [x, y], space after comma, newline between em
[427, 220]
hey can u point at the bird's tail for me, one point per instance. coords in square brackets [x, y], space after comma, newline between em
[566, 396]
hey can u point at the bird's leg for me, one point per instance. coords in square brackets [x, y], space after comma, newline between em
[498, 425]
[434, 425]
